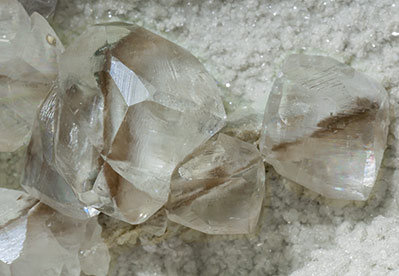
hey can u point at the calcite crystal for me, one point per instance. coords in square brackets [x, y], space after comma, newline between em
[13, 204]
[326, 126]
[129, 106]
[36, 240]
[29, 49]
[41, 178]
[219, 188]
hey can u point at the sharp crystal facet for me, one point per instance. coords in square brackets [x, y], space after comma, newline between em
[219, 188]
[36, 240]
[129, 106]
[326, 126]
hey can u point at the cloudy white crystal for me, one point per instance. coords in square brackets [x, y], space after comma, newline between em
[40, 241]
[29, 50]
[325, 127]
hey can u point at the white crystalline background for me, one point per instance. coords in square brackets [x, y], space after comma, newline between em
[242, 44]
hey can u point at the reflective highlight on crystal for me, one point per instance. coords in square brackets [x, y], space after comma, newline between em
[40, 241]
[128, 107]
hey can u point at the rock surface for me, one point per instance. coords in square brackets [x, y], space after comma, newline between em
[325, 127]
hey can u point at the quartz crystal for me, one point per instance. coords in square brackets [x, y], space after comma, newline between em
[36, 240]
[29, 49]
[219, 188]
[325, 127]
[128, 107]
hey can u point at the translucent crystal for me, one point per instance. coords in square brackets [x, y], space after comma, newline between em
[19, 101]
[13, 204]
[325, 127]
[44, 7]
[41, 177]
[129, 107]
[219, 188]
[157, 224]
[29, 49]
[40, 241]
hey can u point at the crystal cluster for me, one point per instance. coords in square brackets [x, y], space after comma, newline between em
[127, 124]
[325, 127]
[129, 106]
[29, 50]
[36, 240]
[219, 188]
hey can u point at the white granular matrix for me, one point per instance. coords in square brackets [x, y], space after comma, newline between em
[242, 44]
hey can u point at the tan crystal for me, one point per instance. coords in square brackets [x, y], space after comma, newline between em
[325, 127]
[219, 188]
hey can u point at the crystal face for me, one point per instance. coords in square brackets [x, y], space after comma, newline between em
[44, 7]
[219, 188]
[35, 233]
[129, 106]
[29, 49]
[41, 177]
[326, 126]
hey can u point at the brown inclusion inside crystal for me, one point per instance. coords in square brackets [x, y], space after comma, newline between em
[364, 111]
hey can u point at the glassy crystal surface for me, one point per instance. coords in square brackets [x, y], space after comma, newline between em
[40, 241]
[128, 108]
[219, 188]
[29, 49]
[44, 7]
[41, 175]
[325, 127]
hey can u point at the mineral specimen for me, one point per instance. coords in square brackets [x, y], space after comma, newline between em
[29, 50]
[219, 188]
[36, 240]
[129, 106]
[325, 127]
